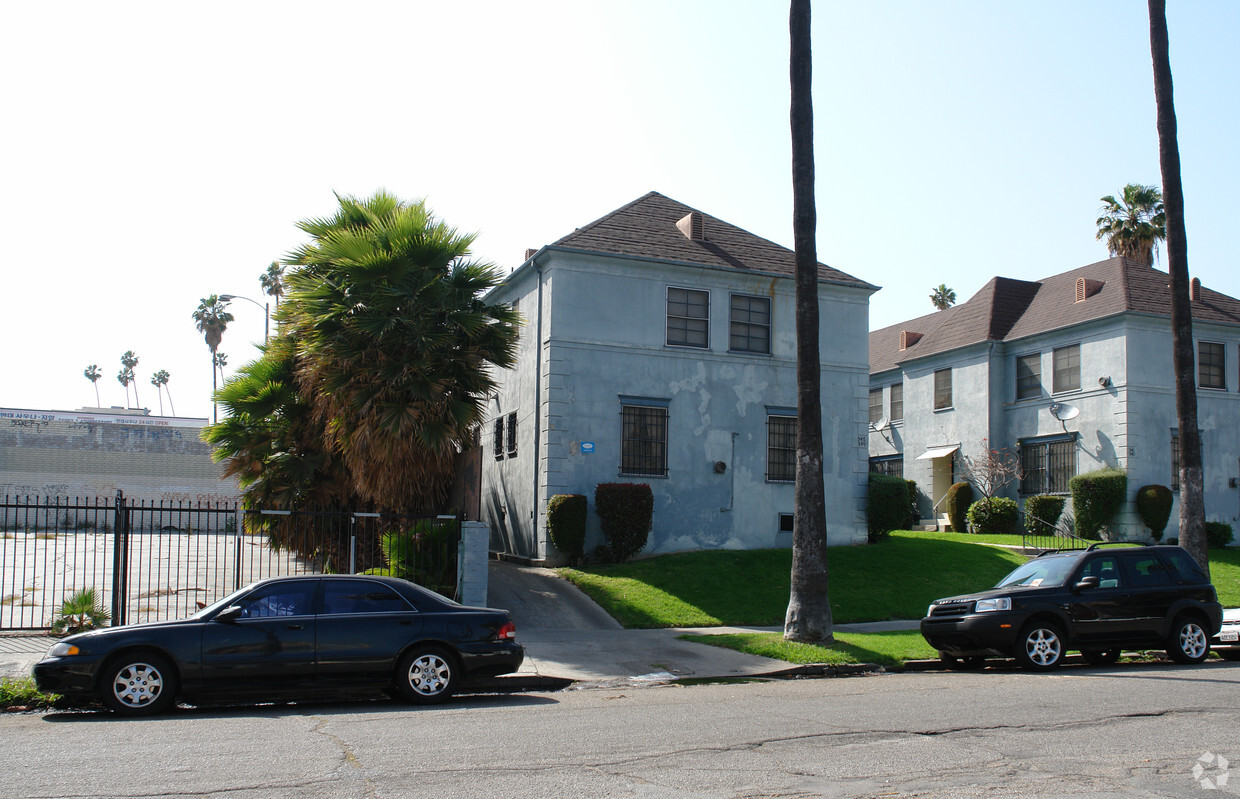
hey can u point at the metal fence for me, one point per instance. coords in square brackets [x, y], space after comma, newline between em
[154, 561]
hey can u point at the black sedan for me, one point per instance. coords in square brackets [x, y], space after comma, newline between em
[289, 637]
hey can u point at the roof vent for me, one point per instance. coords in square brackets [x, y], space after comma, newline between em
[1194, 289]
[693, 226]
[908, 338]
[530, 253]
[1087, 288]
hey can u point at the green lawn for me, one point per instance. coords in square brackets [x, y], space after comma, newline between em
[894, 579]
[886, 649]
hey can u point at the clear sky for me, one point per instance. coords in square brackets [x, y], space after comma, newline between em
[154, 153]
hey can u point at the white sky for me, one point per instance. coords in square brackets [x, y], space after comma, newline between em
[155, 153]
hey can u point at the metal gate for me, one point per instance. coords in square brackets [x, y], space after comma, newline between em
[154, 561]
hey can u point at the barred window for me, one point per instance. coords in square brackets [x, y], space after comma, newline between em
[1175, 460]
[688, 317]
[897, 402]
[643, 440]
[1210, 365]
[1067, 368]
[876, 405]
[499, 438]
[512, 435]
[750, 329]
[942, 389]
[781, 449]
[1047, 465]
[892, 465]
[1029, 376]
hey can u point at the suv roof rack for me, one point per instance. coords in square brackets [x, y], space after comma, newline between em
[1092, 547]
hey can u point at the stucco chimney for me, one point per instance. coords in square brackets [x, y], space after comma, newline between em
[1087, 288]
[693, 226]
[908, 338]
[1194, 289]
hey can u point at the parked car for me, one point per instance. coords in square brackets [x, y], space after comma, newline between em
[1227, 641]
[1099, 601]
[289, 637]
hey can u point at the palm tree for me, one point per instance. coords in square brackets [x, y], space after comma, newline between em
[129, 360]
[93, 374]
[809, 608]
[219, 360]
[125, 377]
[211, 319]
[1192, 502]
[395, 345]
[272, 281]
[943, 297]
[1134, 224]
[160, 381]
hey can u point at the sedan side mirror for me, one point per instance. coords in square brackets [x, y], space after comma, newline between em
[230, 613]
[1086, 583]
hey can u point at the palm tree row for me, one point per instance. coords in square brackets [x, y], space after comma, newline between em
[126, 377]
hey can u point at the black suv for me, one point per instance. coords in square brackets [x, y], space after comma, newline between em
[1097, 600]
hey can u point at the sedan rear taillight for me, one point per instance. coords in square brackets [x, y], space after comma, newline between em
[508, 632]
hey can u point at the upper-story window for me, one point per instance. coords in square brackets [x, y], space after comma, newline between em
[750, 324]
[1029, 376]
[942, 389]
[688, 318]
[1210, 365]
[897, 402]
[876, 405]
[1067, 368]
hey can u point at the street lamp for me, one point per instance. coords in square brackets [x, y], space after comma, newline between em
[266, 306]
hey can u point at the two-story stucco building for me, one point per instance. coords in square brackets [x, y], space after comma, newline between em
[659, 347]
[1073, 372]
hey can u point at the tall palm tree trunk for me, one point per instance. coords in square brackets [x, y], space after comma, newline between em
[1192, 503]
[809, 608]
[171, 407]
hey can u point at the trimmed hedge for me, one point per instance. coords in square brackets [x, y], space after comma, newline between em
[566, 524]
[1218, 534]
[1154, 507]
[625, 512]
[1042, 512]
[886, 506]
[1096, 496]
[994, 515]
[956, 505]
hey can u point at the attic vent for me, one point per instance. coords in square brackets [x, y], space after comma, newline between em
[908, 338]
[530, 253]
[1194, 289]
[1087, 288]
[693, 226]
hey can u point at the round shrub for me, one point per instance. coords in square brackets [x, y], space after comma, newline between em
[566, 524]
[625, 512]
[1096, 496]
[886, 506]
[1218, 534]
[1041, 513]
[1154, 507]
[956, 505]
[991, 515]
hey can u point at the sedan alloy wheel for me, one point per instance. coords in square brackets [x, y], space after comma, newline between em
[139, 685]
[425, 676]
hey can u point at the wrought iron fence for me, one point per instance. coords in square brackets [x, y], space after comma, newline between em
[153, 561]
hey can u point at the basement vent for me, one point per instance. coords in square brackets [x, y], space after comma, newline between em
[1194, 289]
[908, 338]
[530, 253]
[693, 226]
[1087, 288]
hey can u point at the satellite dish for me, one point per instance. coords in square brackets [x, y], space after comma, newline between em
[1063, 411]
[881, 424]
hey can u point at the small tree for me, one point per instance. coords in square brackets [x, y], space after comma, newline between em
[990, 471]
[625, 512]
[1154, 507]
[886, 505]
[566, 524]
[942, 297]
[956, 504]
[1096, 496]
[93, 374]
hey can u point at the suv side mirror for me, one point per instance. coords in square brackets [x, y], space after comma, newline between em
[230, 613]
[1086, 583]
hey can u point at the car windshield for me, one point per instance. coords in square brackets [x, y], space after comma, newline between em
[220, 604]
[1043, 571]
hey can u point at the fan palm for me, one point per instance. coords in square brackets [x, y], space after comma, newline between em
[129, 360]
[125, 377]
[160, 381]
[93, 374]
[212, 318]
[395, 344]
[942, 297]
[272, 281]
[1133, 224]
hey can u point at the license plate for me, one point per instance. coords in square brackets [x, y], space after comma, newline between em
[1229, 636]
